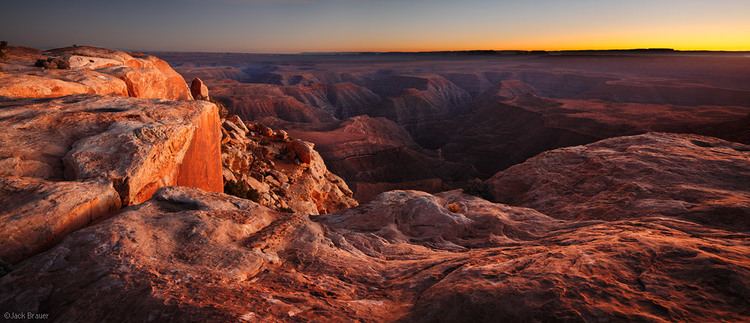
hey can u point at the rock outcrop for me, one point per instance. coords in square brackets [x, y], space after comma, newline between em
[65, 146]
[188, 255]
[698, 178]
[88, 70]
[279, 172]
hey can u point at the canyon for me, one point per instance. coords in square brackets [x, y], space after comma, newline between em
[449, 120]
[364, 187]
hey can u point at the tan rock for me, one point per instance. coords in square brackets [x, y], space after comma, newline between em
[118, 139]
[268, 172]
[691, 177]
[57, 83]
[406, 256]
[37, 213]
[199, 90]
[92, 63]
[92, 71]
[301, 150]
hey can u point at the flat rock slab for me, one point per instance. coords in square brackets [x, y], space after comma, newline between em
[37, 213]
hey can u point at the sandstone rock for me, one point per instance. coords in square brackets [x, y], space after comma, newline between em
[114, 138]
[692, 177]
[92, 63]
[199, 90]
[269, 171]
[66, 162]
[53, 63]
[89, 70]
[188, 255]
[301, 150]
[36, 213]
[58, 83]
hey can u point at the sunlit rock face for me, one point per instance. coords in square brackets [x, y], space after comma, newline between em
[69, 145]
[88, 70]
[89, 130]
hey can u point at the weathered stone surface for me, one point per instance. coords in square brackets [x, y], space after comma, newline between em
[135, 146]
[301, 150]
[89, 70]
[138, 144]
[276, 171]
[36, 214]
[188, 255]
[692, 177]
[199, 90]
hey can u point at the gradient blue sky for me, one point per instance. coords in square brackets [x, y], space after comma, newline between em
[364, 25]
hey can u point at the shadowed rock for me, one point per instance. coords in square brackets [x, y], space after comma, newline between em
[199, 90]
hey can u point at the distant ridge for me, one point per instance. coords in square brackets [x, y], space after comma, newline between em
[640, 51]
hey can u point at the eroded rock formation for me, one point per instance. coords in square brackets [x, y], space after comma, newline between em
[136, 145]
[376, 155]
[187, 255]
[702, 179]
[279, 172]
[70, 156]
[644, 228]
[88, 70]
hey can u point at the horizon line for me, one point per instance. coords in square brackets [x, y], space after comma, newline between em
[653, 50]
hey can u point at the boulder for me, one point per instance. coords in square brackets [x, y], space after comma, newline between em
[301, 150]
[199, 90]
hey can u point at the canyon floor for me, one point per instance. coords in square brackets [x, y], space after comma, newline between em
[585, 187]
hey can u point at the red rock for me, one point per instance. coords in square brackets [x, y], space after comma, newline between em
[36, 214]
[199, 90]
[301, 150]
[692, 177]
[201, 166]
[63, 145]
[92, 71]
[191, 255]
[288, 176]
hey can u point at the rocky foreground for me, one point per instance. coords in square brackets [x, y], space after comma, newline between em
[113, 211]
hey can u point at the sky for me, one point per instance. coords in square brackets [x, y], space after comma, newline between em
[289, 26]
